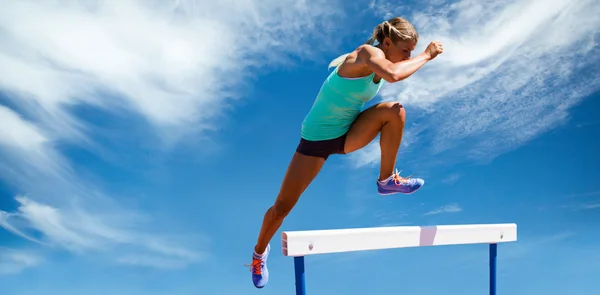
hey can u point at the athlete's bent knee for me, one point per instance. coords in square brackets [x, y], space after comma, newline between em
[401, 113]
[395, 112]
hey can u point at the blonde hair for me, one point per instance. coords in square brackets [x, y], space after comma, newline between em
[397, 29]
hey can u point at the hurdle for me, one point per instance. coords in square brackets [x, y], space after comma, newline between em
[299, 244]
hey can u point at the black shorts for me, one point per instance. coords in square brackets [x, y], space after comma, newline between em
[322, 148]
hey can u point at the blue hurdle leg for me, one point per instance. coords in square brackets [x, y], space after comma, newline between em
[493, 255]
[299, 271]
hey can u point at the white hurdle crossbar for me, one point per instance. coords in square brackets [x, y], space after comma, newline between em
[298, 244]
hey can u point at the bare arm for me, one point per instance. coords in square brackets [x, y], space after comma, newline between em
[391, 72]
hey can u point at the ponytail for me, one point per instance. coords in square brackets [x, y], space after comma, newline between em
[337, 61]
[372, 40]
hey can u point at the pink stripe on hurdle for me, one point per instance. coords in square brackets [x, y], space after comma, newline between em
[427, 235]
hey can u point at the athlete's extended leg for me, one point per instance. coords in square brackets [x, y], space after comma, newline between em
[300, 173]
[387, 118]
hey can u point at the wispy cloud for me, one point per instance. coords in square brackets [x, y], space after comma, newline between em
[15, 261]
[177, 64]
[588, 124]
[582, 201]
[452, 208]
[509, 72]
[586, 194]
[590, 206]
[397, 216]
[583, 206]
[79, 231]
[527, 245]
[22, 143]
[452, 178]
[173, 66]
[63, 211]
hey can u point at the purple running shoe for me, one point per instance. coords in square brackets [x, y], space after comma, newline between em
[397, 184]
[260, 273]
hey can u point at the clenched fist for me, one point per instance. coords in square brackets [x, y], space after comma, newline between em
[433, 49]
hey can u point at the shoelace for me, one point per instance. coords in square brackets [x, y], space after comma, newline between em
[255, 266]
[399, 179]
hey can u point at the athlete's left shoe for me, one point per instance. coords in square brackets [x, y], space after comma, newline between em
[260, 272]
[397, 184]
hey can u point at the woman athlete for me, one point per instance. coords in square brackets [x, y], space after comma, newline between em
[336, 125]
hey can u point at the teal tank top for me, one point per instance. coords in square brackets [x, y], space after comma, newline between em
[339, 102]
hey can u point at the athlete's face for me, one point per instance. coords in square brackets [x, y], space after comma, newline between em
[399, 51]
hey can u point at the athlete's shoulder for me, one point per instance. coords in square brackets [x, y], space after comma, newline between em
[358, 59]
[367, 50]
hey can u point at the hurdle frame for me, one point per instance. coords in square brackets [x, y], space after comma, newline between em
[308, 243]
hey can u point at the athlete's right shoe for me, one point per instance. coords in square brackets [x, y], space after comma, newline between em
[260, 272]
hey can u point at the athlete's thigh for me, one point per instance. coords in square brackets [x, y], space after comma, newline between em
[368, 124]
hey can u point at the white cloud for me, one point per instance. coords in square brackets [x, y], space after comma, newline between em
[452, 208]
[82, 232]
[25, 146]
[590, 206]
[19, 134]
[586, 194]
[451, 179]
[15, 261]
[583, 206]
[509, 72]
[530, 245]
[582, 201]
[177, 65]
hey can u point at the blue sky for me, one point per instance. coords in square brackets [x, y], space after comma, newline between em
[141, 144]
